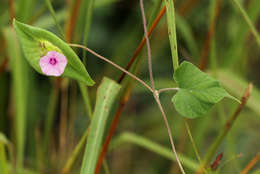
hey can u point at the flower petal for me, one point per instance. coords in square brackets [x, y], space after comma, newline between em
[51, 54]
[50, 69]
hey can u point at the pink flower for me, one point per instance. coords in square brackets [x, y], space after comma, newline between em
[53, 63]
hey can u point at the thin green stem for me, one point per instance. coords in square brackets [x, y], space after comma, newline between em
[154, 12]
[225, 163]
[89, 10]
[86, 99]
[167, 89]
[48, 3]
[75, 153]
[193, 144]
[106, 168]
[50, 117]
[248, 21]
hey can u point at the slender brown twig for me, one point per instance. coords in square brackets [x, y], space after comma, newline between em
[148, 46]
[169, 133]
[112, 63]
[251, 164]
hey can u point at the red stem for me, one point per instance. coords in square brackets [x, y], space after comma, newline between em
[11, 10]
[72, 21]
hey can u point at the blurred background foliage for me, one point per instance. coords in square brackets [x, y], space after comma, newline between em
[44, 118]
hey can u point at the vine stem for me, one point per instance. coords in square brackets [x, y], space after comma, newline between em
[148, 46]
[167, 89]
[156, 96]
[155, 92]
[193, 144]
[112, 63]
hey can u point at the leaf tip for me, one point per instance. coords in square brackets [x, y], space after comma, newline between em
[91, 82]
[233, 98]
[15, 22]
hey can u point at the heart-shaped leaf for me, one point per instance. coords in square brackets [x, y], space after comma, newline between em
[37, 42]
[198, 91]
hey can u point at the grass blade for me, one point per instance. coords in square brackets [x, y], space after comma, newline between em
[237, 50]
[106, 95]
[170, 13]
[19, 74]
[128, 137]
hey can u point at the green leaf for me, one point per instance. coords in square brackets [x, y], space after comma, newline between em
[37, 42]
[106, 95]
[198, 91]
